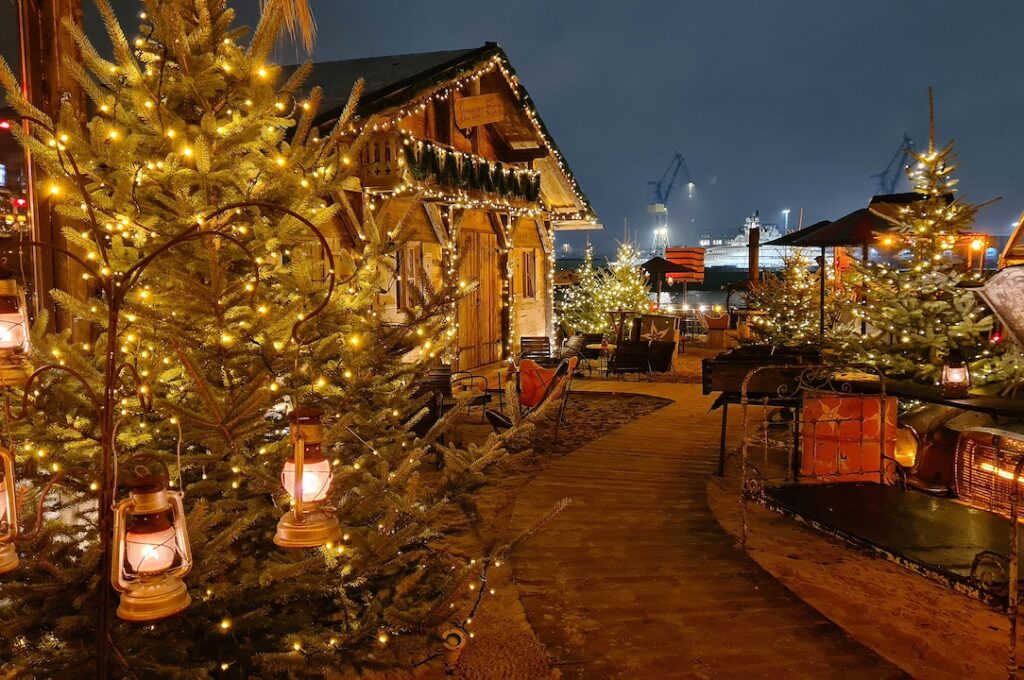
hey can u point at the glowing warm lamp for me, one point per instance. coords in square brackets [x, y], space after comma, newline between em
[14, 368]
[956, 377]
[151, 551]
[906, 447]
[306, 477]
[8, 515]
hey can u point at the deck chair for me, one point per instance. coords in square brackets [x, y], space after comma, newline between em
[554, 383]
[442, 385]
[536, 348]
[573, 347]
[630, 356]
[591, 355]
[660, 356]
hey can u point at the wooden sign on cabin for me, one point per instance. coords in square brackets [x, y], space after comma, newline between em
[479, 110]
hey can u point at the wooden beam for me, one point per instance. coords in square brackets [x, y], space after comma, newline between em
[500, 227]
[353, 225]
[523, 155]
[45, 46]
[474, 135]
[546, 238]
[436, 221]
[455, 217]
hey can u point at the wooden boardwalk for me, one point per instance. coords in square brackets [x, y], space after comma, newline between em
[637, 580]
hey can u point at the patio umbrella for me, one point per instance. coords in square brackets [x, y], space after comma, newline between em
[858, 228]
[659, 266]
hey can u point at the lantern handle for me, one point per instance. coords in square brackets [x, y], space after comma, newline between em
[12, 508]
[178, 507]
[137, 458]
[300, 464]
[29, 535]
[117, 563]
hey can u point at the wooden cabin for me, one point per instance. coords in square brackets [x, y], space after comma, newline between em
[458, 129]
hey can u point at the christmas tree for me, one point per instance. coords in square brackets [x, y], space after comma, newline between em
[198, 194]
[790, 302]
[916, 311]
[580, 310]
[624, 285]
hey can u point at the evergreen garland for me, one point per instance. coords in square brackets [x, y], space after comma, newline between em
[457, 170]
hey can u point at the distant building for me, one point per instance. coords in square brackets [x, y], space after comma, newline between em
[725, 251]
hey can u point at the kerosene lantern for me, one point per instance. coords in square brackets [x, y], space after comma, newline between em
[151, 550]
[306, 477]
[14, 337]
[8, 515]
[956, 376]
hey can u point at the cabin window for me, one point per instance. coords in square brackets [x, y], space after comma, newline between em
[530, 274]
[410, 274]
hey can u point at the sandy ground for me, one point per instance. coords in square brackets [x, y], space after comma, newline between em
[920, 625]
[504, 646]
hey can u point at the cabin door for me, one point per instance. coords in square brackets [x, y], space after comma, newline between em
[479, 312]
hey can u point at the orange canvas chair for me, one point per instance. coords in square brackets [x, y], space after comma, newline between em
[536, 386]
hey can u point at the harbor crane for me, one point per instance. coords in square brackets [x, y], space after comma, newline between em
[662, 190]
[890, 177]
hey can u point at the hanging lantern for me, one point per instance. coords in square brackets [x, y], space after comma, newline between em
[151, 550]
[306, 477]
[956, 377]
[8, 515]
[14, 337]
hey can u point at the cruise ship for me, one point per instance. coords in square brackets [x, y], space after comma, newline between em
[726, 252]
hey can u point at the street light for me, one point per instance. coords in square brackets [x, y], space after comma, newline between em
[785, 215]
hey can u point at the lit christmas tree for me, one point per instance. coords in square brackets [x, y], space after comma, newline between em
[197, 193]
[580, 309]
[791, 303]
[624, 285]
[916, 311]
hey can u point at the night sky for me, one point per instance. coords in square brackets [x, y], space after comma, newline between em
[774, 104]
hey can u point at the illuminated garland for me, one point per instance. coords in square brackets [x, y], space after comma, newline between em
[455, 169]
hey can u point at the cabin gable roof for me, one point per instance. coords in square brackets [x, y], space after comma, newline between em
[395, 85]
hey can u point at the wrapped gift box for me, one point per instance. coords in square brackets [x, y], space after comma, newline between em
[843, 438]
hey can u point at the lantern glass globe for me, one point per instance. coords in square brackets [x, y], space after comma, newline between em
[316, 479]
[150, 544]
[12, 327]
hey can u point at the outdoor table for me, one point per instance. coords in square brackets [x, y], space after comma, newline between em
[605, 350]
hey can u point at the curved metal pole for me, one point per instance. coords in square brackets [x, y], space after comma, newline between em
[23, 536]
[79, 181]
[1013, 604]
[97, 406]
[135, 272]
